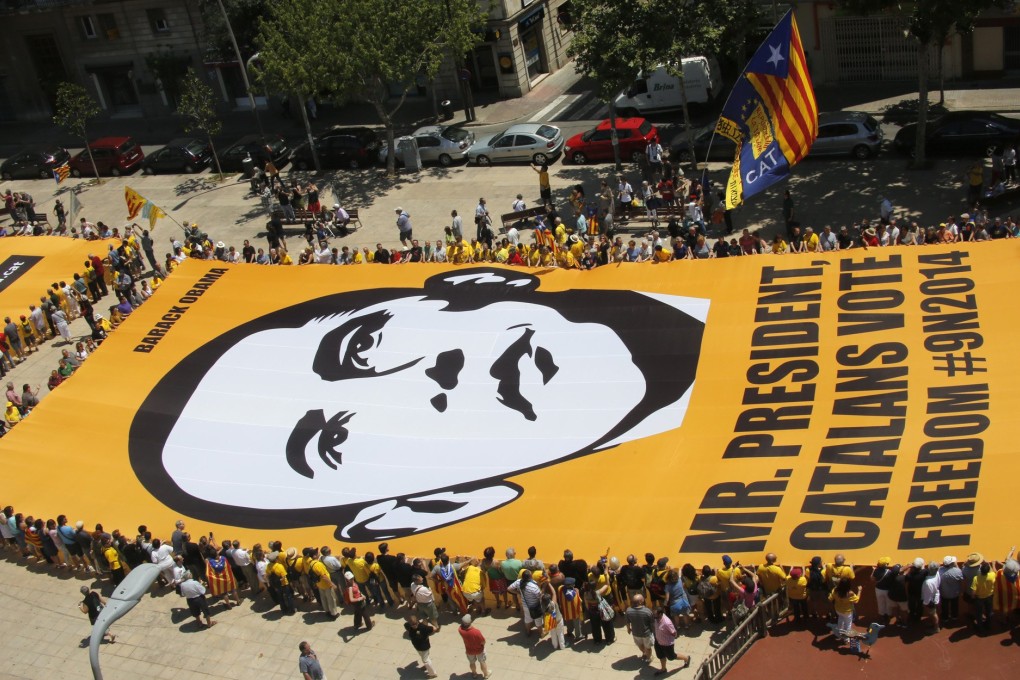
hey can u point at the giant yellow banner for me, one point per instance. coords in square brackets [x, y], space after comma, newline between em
[856, 402]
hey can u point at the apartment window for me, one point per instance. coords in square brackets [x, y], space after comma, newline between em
[157, 20]
[88, 27]
[108, 26]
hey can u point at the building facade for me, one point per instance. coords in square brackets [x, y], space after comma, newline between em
[128, 54]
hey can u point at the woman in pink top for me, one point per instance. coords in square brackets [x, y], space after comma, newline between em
[665, 636]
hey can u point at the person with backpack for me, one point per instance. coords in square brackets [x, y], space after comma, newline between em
[326, 590]
[359, 602]
[710, 594]
[818, 592]
[600, 628]
[279, 585]
[657, 582]
[633, 578]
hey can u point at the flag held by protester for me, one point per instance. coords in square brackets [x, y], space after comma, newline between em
[771, 114]
[61, 173]
[139, 205]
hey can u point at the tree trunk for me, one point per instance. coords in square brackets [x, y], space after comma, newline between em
[615, 138]
[922, 105]
[219, 170]
[308, 133]
[687, 117]
[942, 76]
[91, 159]
[391, 156]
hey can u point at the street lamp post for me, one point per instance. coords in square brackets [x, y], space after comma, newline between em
[244, 71]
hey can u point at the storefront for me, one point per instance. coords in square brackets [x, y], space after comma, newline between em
[530, 34]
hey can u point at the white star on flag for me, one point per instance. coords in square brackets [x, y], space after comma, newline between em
[776, 56]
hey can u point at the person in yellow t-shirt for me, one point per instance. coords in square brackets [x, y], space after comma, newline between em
[326, 589]
[12, 415]
[771, 576]
[838, 571]
[810, 241]
[112, 556]
[560, 232]
[660, 255]
[565, 259]
[796, 593]
[576, 247]
[279, 585]
[471, 584]
[725, 575]
[843, 600]
[779, 245]
[983, 588]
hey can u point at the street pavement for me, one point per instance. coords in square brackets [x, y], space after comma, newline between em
[45, 631]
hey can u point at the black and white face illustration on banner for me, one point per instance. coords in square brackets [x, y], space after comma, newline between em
[393, 411]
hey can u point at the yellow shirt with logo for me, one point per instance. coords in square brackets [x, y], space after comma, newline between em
[471, 581]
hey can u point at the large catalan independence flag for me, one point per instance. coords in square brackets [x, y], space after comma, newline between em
[771, 114]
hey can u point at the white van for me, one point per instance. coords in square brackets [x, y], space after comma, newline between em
[659, 91]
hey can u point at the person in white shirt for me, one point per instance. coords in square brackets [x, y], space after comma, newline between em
[513, 236]
[243, 559]
[481, 217]
[457, 226]
[162, 557]
[323, 255]
[885, 209]
[439, 254]
[894, 233]
[654, 153]
[519, 205]
[625, 192]
[194, 593]
[828, 240]
[1009, 163]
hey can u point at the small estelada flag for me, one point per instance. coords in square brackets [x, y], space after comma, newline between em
[61, 173]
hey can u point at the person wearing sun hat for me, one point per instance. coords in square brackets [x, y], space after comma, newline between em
[1007, 587]
[951, 584]
[971, 568]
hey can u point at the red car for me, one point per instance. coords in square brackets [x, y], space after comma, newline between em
[113, 156]
[596, 144]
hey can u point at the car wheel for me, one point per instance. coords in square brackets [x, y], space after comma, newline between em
[483, 160]
[75, 172]
[115, 172]
[635, 156]
[540, 159]
[861, 151]
[445, 160]
[45, 174]
[579, 158]
[7, 177]
[190, 169]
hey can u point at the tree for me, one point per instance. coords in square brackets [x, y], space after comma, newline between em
[196, 106]
[75, 108]
[930, 23]
[610, 47]
[688, 28]
[244, 19]
[294, 59]
[361, 48]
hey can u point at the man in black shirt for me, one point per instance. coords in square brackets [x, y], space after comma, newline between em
[633, 577]
[389, 565]
[382, 256]
[248, 252]
[92, 604]
[418, 633]
[571, 568]
[844, 238]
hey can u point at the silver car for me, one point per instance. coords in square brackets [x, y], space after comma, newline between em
[441, 144]
[532, 142]
[847, 133]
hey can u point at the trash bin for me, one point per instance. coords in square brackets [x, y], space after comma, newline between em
[446, 109]
[407, 148]
[248, 166]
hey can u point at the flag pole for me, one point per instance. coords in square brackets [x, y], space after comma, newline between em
[743, 74]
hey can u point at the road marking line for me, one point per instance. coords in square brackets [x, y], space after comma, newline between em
[552, 105]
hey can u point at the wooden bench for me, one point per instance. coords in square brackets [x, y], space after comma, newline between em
[515, 217]
[306, 219]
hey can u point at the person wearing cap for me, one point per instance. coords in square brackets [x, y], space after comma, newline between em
[951, 584]
[474, 647]
[92, 603]
[971, 568]
[194, 593]
[1007, 588]
[12, 416]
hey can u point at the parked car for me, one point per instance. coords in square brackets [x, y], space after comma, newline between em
[340, 147]
[657, 90]
[113, 156]
[180, 155]
[596, 144]
[722, 148]
[34, 163]
[840, 133]
[847, 133]
[274, 147]
[966, 132]
[534, 142]
[441, 144]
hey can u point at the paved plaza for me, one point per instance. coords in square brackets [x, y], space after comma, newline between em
[159, 639]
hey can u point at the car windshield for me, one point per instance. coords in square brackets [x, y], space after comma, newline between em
[547, 131]
[125, 147]
[196, 147]
[587, 135]
[52, 151]
[645, 128]
[871, 124]
[277, 144]
[455, 134]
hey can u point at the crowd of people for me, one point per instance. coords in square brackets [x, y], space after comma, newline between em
[564, 601]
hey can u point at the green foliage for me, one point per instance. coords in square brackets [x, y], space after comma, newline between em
[611, 43]
[244, 19]
[75, 108]
[196, 106]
